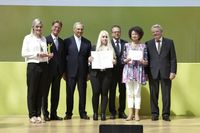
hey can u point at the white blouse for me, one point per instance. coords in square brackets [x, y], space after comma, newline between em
[32, 46]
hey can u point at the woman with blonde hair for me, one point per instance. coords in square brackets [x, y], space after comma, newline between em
[101, 78]
[34, 50]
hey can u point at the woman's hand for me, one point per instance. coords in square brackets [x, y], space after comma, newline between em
[42, 55]
[127, 60]
[90, 59]
[114, 61]
[50, 56]
[144, 62]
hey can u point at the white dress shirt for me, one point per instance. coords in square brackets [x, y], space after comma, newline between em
[32, 46]
[157, 43]
[78, 42]
[55, 39]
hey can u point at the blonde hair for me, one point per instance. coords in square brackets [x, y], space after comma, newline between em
[157, 26]
[34, 23]
[99, 44]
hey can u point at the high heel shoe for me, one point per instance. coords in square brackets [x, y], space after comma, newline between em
[129, 118]
[137, 118]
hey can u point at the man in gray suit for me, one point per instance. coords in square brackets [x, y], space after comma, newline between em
[162, 70]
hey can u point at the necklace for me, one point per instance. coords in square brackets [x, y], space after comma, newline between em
[134, 45]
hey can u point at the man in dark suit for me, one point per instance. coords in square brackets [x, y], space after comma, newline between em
[118, 45]
[77, 52]
[55, 71]
[162, 70]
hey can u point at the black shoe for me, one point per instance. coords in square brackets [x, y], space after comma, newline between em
[86, 117]
[56, 118]
[112, 116]
[122, 115]
[166, 118]
[154, 118]
[95, 117]
[67, 117]
[103, 117]
[46, 118]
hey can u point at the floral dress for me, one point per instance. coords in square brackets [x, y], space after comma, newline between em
[134, 70]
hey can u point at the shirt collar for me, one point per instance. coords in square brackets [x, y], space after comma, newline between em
[76, 38]
[54, 37]
[115, 41]
[159, 40]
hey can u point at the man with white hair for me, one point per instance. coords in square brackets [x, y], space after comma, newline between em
[162, 70]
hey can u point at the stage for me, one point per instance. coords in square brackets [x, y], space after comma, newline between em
[20, 124]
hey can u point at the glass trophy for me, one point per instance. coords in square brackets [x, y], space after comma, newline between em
[49, 48]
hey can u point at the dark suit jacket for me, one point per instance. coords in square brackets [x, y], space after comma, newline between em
[119, 55]
[58, 59]
[77, 61]
[165, 62]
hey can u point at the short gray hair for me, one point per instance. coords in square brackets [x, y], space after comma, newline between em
[157, 26]
[77, 23]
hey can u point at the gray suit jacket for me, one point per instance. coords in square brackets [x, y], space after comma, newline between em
[163, 63]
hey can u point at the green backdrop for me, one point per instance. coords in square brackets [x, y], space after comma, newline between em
[182, 24]
[179, 23]
[13, 92]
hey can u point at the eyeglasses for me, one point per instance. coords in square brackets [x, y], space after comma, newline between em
[116, 32]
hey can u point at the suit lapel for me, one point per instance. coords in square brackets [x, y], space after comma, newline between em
[164, 46]
[74, 44]
[53, 49]
[118, 53]
[82, 44]
[59, 45]
[113, 44]
[154, 49]
[122, 47]
[54, 46]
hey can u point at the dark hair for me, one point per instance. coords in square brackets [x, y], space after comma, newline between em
[138, 30]
[57, 21]
[115, 26]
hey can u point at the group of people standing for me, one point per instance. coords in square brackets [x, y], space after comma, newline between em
[50, 59]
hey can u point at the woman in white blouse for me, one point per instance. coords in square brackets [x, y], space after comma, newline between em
[34, 50]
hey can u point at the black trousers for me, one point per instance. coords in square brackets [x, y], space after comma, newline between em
[71, 85]
[54, 78]
[117, 79]
[36, 81]
[101, 83]
[154, 95]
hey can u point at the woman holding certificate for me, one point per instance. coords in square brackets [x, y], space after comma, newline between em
[102, 59]
[134, 58]
[34, 50]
